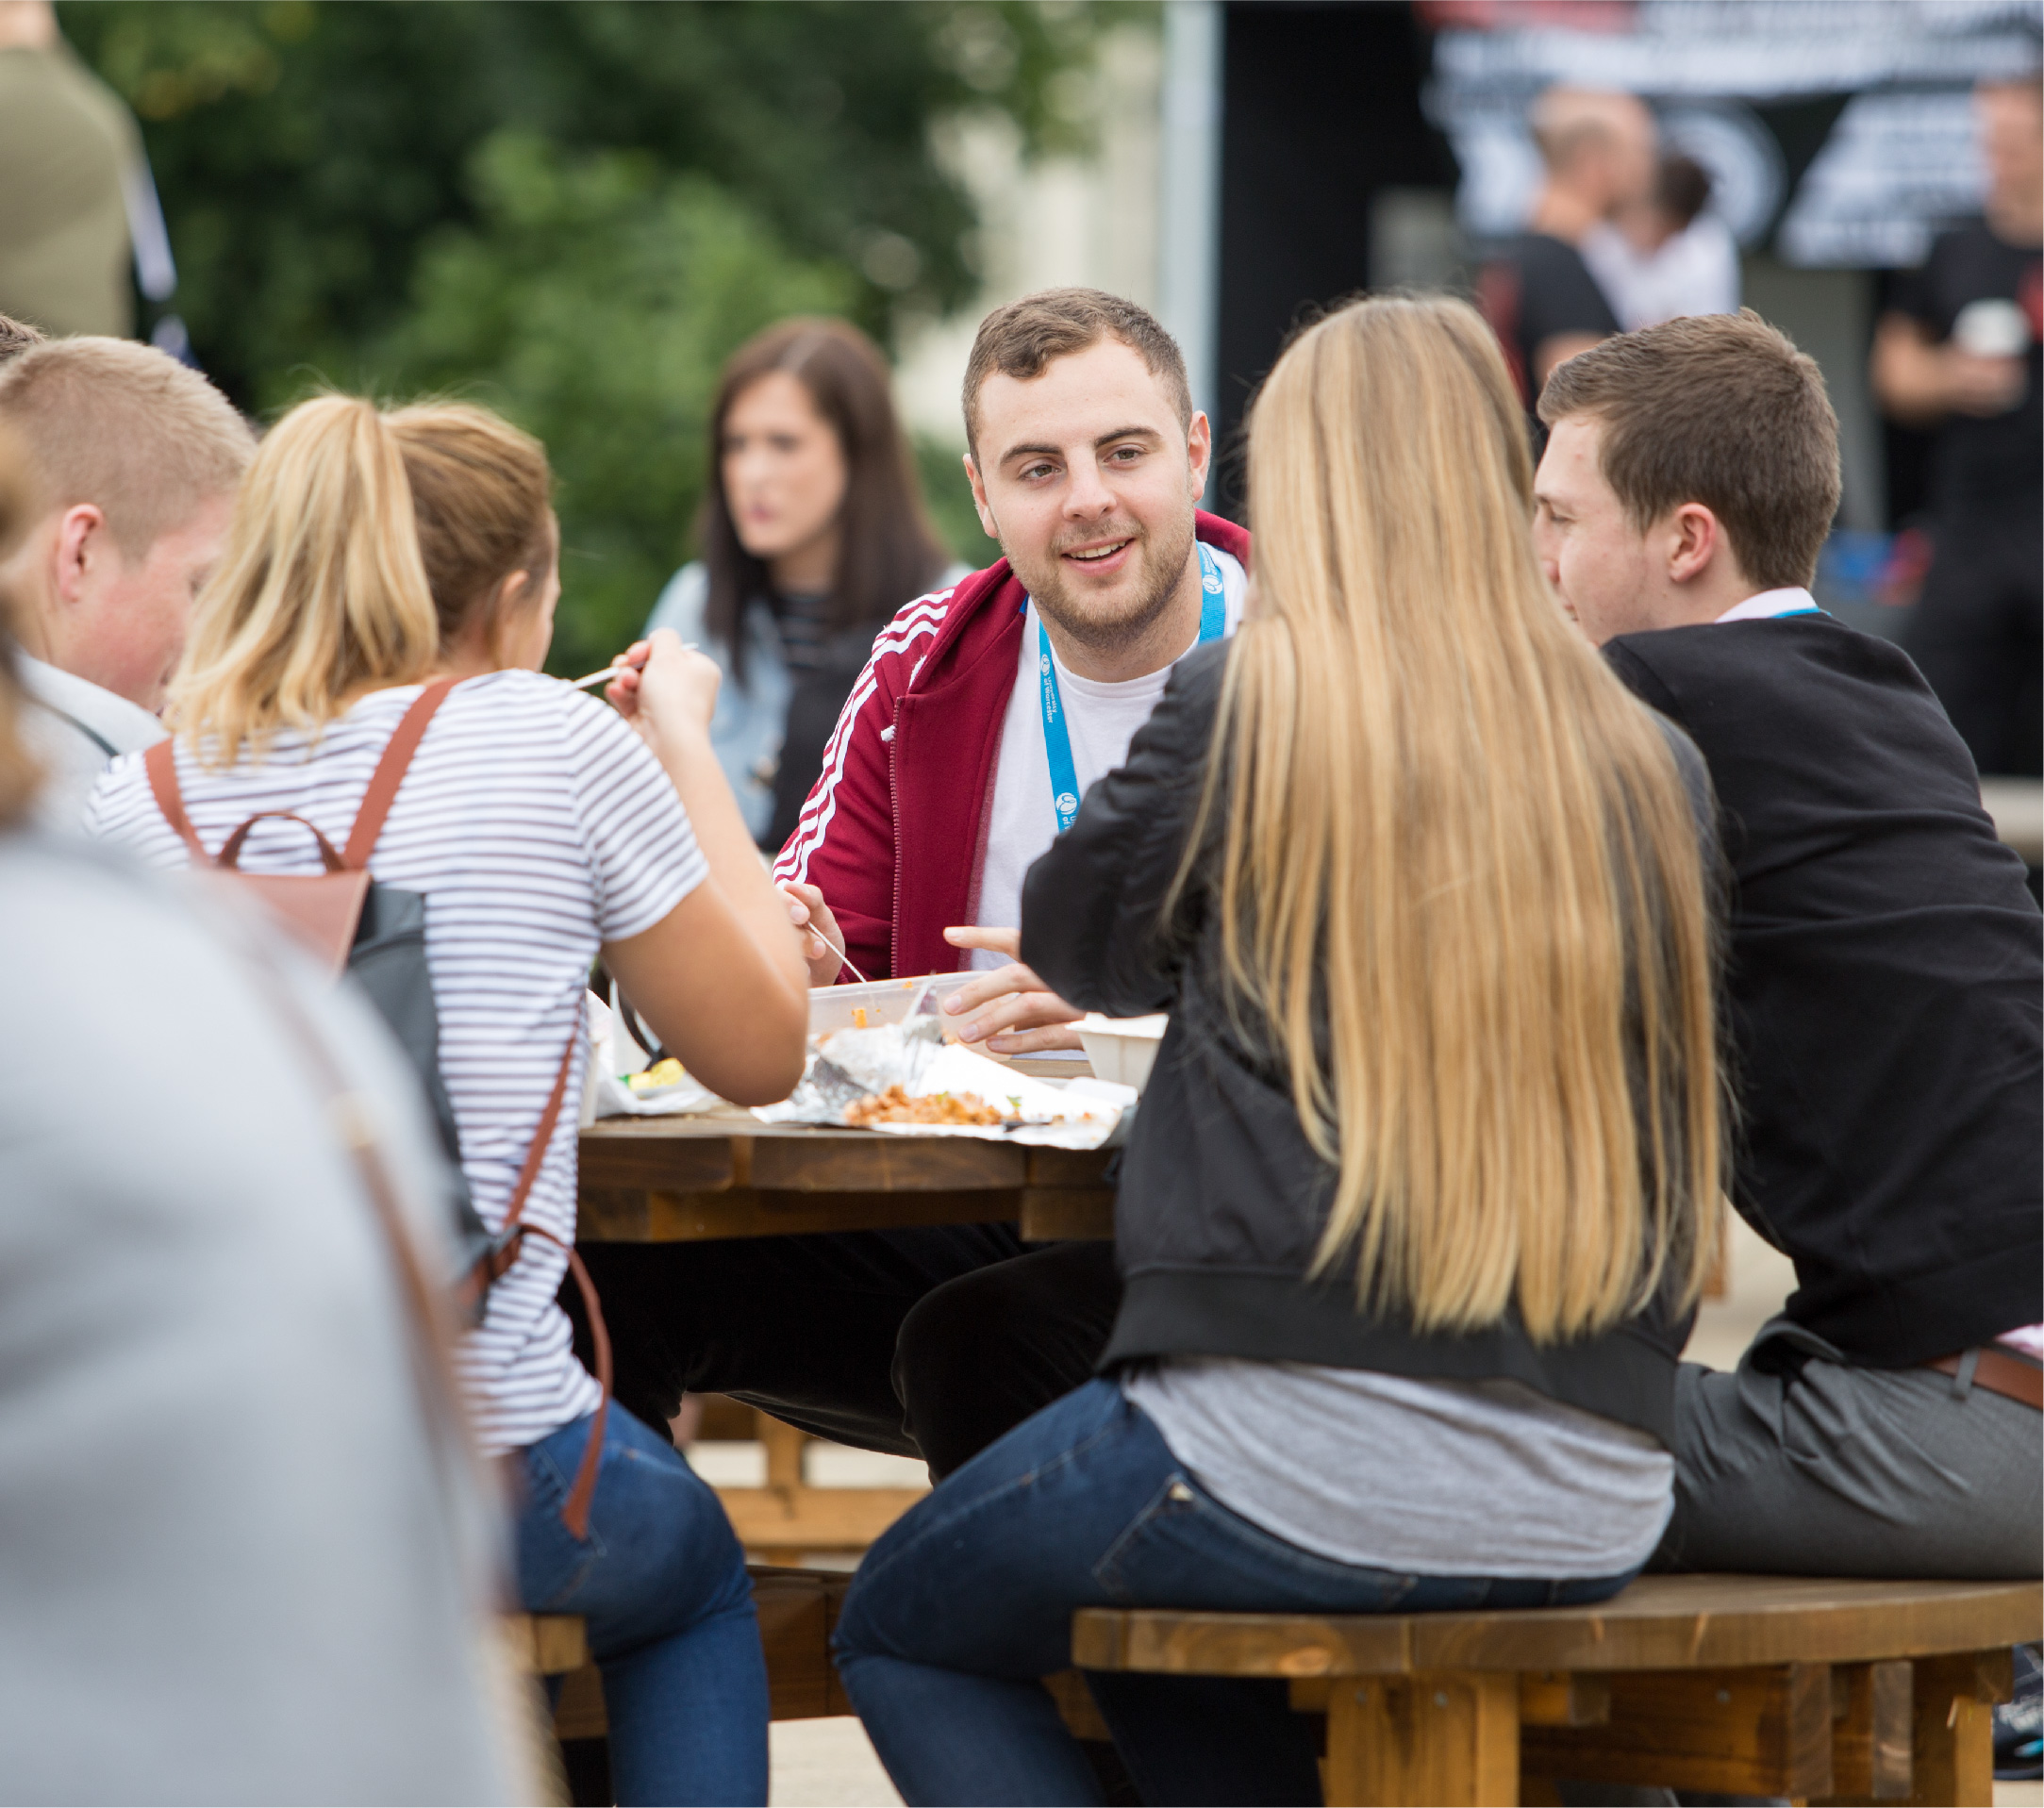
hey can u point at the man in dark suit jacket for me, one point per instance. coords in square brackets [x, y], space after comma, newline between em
[1883, 983]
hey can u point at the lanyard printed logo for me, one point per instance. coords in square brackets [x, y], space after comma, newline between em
[1057, 733]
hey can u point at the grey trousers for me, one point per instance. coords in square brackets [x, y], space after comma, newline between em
[1840, 1470]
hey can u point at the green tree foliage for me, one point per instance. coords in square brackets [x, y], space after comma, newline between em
[593, 300]
[573, 211]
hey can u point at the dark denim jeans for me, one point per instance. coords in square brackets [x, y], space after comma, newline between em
[661, 1582]
[968, 1601]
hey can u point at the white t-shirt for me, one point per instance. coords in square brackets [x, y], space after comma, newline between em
[538, 826]
[1103, 719]
[1696, 272]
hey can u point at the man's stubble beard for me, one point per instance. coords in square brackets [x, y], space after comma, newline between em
[1112, 633]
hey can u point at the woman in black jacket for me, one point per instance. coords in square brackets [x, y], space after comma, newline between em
[1420, 1191]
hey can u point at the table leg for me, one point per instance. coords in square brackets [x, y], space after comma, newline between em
[1447, 1739]
[1952, 1760]
[784, 1445]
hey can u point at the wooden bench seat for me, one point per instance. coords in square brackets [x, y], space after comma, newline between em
[797, 1610]
[1818, 1690]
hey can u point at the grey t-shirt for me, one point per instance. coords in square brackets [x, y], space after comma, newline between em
[1428, 1478]
[239, 1563]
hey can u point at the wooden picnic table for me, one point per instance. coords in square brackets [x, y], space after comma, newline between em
[679, 1180]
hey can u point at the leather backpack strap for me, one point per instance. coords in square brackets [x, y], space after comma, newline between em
[575, 1511]
[541, 1138]
[230, 854]
[391, 768]
[161, 763]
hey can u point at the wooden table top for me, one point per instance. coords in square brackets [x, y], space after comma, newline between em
[683, 1179]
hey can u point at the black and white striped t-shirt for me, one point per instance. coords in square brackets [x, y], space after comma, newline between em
[538, 826]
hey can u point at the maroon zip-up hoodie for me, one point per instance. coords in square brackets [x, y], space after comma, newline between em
[893, 834]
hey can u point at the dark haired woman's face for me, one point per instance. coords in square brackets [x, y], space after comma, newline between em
[784, 470]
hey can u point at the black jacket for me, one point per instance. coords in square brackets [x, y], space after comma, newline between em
[1222, 1199]
[1885, 982]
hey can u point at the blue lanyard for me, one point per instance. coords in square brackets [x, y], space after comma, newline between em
[1058, 736]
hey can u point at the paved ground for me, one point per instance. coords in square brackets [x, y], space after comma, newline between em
[829, 1764]
[826, 1763]
[1761, 1279]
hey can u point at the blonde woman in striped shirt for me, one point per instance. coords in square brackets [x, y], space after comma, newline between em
[372, 554]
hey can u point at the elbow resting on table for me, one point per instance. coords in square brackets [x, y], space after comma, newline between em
[763, 1066]
[757, 1083]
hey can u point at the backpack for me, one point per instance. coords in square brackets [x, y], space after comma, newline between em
[375, 934]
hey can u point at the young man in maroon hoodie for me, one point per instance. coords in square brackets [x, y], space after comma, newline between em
[964, 749]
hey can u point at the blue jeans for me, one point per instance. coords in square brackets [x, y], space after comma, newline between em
[968, 1601]
[661, 1582]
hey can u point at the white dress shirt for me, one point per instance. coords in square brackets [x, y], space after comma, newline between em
[1791, 601]
[75, 730]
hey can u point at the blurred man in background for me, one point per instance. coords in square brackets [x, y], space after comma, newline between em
[71, 151]
[1666, 256]
[1539, 295]
[1959, 353]
[137, 459]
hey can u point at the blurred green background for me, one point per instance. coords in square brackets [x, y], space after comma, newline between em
[573, 211]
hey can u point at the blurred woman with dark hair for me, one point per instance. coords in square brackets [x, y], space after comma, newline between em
[813, 534]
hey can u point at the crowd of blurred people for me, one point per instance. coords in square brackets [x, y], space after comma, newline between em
[1617, 238]
[1500, 827]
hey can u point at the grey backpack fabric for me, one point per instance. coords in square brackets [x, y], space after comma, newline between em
[388, 962]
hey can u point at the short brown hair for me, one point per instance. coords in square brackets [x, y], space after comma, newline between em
[1720, 409]
[16, 337]
[1020, 340]
[126, 428]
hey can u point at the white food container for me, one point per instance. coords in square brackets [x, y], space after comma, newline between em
[868, 1006]
[1123, 1049]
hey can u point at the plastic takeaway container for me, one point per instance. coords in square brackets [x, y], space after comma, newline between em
[1123, 1049]
[881, 1001]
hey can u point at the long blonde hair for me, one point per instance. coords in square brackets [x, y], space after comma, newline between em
[1451, 830]
[361, 543]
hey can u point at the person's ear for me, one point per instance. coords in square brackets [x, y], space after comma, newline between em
[501, 612]
[1692, 539]
[82, 543]
[979, 499]
[1199, 451]
[511, 593]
